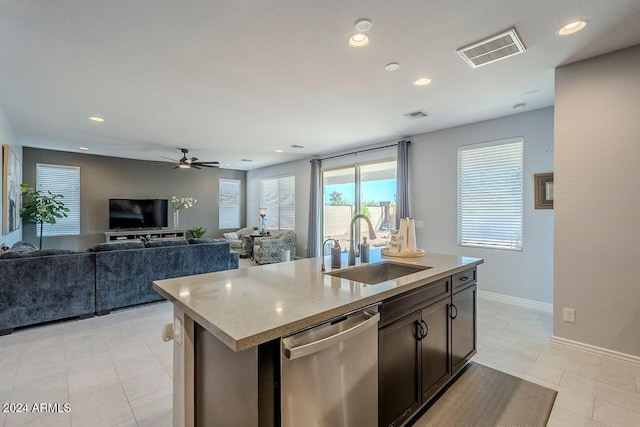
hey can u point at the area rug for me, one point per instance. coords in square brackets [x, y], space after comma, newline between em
[482, 396]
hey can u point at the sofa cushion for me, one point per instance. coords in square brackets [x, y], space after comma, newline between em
[231, 236]
[14, 255]
[165, 243]
[23, 246]
[197, 241]
[117, 246]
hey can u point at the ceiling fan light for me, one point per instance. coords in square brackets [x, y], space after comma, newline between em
[184, 166]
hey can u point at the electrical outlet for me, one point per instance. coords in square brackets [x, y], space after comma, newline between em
[569, 315]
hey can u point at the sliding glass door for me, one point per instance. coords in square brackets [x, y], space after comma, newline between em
[368, 189]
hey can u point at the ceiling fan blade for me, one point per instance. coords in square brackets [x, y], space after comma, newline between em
[208, 163]
[196, 166]
[173, 160]
[208, 166]
[177, 167]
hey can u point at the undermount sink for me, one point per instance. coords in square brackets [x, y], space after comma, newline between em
[372, 274]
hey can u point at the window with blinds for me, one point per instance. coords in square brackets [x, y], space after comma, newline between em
[490, 192]
[278, 195]
[65, 180]
[229, 203]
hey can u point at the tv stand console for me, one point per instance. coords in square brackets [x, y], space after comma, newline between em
[124, 235]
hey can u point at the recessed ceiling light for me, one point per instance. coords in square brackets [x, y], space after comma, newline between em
[358, 40]
[392, 66]
[519, 106]
[228, 165]
[423, 81]
[572, 27]
[96, 119]
[279, 151]
[83, 148]
[363, 25]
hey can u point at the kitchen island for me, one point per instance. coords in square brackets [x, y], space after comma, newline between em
[229, 325]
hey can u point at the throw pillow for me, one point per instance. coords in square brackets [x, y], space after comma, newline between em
[231, 236]
[23, 246]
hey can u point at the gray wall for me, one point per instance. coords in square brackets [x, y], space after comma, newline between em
[7, 137]
[597, 218]
[104, 177]
[433, 193]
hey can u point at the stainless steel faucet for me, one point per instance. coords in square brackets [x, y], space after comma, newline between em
[372, 236]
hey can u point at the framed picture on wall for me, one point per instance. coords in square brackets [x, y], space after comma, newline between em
[543, 184]
[11, 175]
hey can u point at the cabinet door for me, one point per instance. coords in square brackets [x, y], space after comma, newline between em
[435, 348]
[463, 327]
[398, 371]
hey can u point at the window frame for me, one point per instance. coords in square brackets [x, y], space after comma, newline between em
[264, 205]
[53, 230]
[237, 223]
[481, 238]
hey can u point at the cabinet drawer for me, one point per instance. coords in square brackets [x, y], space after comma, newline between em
[398, 305]
[463, 278]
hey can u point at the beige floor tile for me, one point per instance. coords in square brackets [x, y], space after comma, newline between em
[616, 376]
[130, 351]
[561, 417]
[520, 364]
[47, 362]
[491, 321]
[508, 346]
[34, 419]
[530, 329]
[129, 423]
[143, 377]
[575, 402]
[502, 333]
[103, 405]
[163, 351]
[79, 346]
[601, 391]
[90, 372]
[567, 362]
[46, 389]
[155, 409]
[511, 314]
[613, 415]
[537, 343]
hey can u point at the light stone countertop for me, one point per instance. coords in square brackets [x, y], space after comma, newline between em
[250, 306]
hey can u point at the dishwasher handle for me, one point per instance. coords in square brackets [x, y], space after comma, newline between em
[294, 352]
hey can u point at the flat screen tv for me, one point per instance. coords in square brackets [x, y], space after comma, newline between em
[137, 213]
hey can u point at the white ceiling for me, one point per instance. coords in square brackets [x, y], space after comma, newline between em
[239, 79]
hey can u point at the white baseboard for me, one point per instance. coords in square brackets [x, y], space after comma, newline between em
[520, 302]
[611, 354]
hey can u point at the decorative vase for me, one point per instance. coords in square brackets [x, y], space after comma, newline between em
[176, 220]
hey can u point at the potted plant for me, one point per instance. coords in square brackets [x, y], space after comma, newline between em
[41, 207]
[197, 232]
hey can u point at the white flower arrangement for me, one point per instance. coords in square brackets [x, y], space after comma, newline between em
[183, 203]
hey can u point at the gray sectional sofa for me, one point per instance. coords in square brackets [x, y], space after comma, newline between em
[38, 286]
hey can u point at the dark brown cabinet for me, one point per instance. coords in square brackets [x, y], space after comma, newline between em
[463, 327]
[426, 336]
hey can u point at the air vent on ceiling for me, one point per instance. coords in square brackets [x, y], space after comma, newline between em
[416, 115]
[296, 146]
[246, 160]
[493, 49]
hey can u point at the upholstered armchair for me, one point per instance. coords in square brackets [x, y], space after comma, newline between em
[238, 240]
[267, 250]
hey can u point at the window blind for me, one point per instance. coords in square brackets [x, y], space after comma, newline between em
[278, 195]
[65, 180]
[229, 203]
[490, 193]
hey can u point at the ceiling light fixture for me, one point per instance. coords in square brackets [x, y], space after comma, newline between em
[519, 106]
[228, 165]
[392, 66]
[358, 40]
[422, 81]
[83, 148]
[279, 150]
[363, 25]
[572, 27]
[96, 119]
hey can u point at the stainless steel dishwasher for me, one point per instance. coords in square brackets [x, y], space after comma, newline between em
[330, 373]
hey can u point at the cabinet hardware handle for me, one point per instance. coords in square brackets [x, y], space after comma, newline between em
[426, 327]
[463, 278]
[418, 332]
[456, 315]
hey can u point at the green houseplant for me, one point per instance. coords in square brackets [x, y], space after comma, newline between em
[41, 207]
[197, 232]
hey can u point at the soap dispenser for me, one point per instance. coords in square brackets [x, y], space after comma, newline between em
[336, 254]
[364, 250]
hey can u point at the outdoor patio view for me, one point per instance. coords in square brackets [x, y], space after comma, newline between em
[368, 189]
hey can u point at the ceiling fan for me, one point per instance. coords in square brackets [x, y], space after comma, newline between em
[191, 162]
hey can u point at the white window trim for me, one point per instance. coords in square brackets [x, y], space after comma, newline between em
[73, 218]
[517, 217]
[238, 218]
